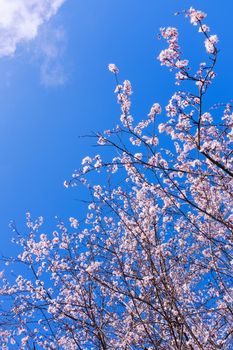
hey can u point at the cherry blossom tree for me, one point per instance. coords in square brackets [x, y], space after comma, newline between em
[150, 267]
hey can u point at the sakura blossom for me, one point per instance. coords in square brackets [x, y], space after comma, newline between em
[150, 265]
[113, 68]
[195, 16]
[210, 43]
[155, 110]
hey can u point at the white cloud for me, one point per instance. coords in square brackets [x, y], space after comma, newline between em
[21, 19]
[50, 51]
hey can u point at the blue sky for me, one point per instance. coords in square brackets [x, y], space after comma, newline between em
[55, 87]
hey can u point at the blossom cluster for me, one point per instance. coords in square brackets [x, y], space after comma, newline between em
[150, 265]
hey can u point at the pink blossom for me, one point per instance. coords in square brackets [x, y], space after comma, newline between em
[73, 222]
[204, 28]
[182, 63]
[149, 266]
[195, 15]
[155, 110]
[113, 68]
[210, 43]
